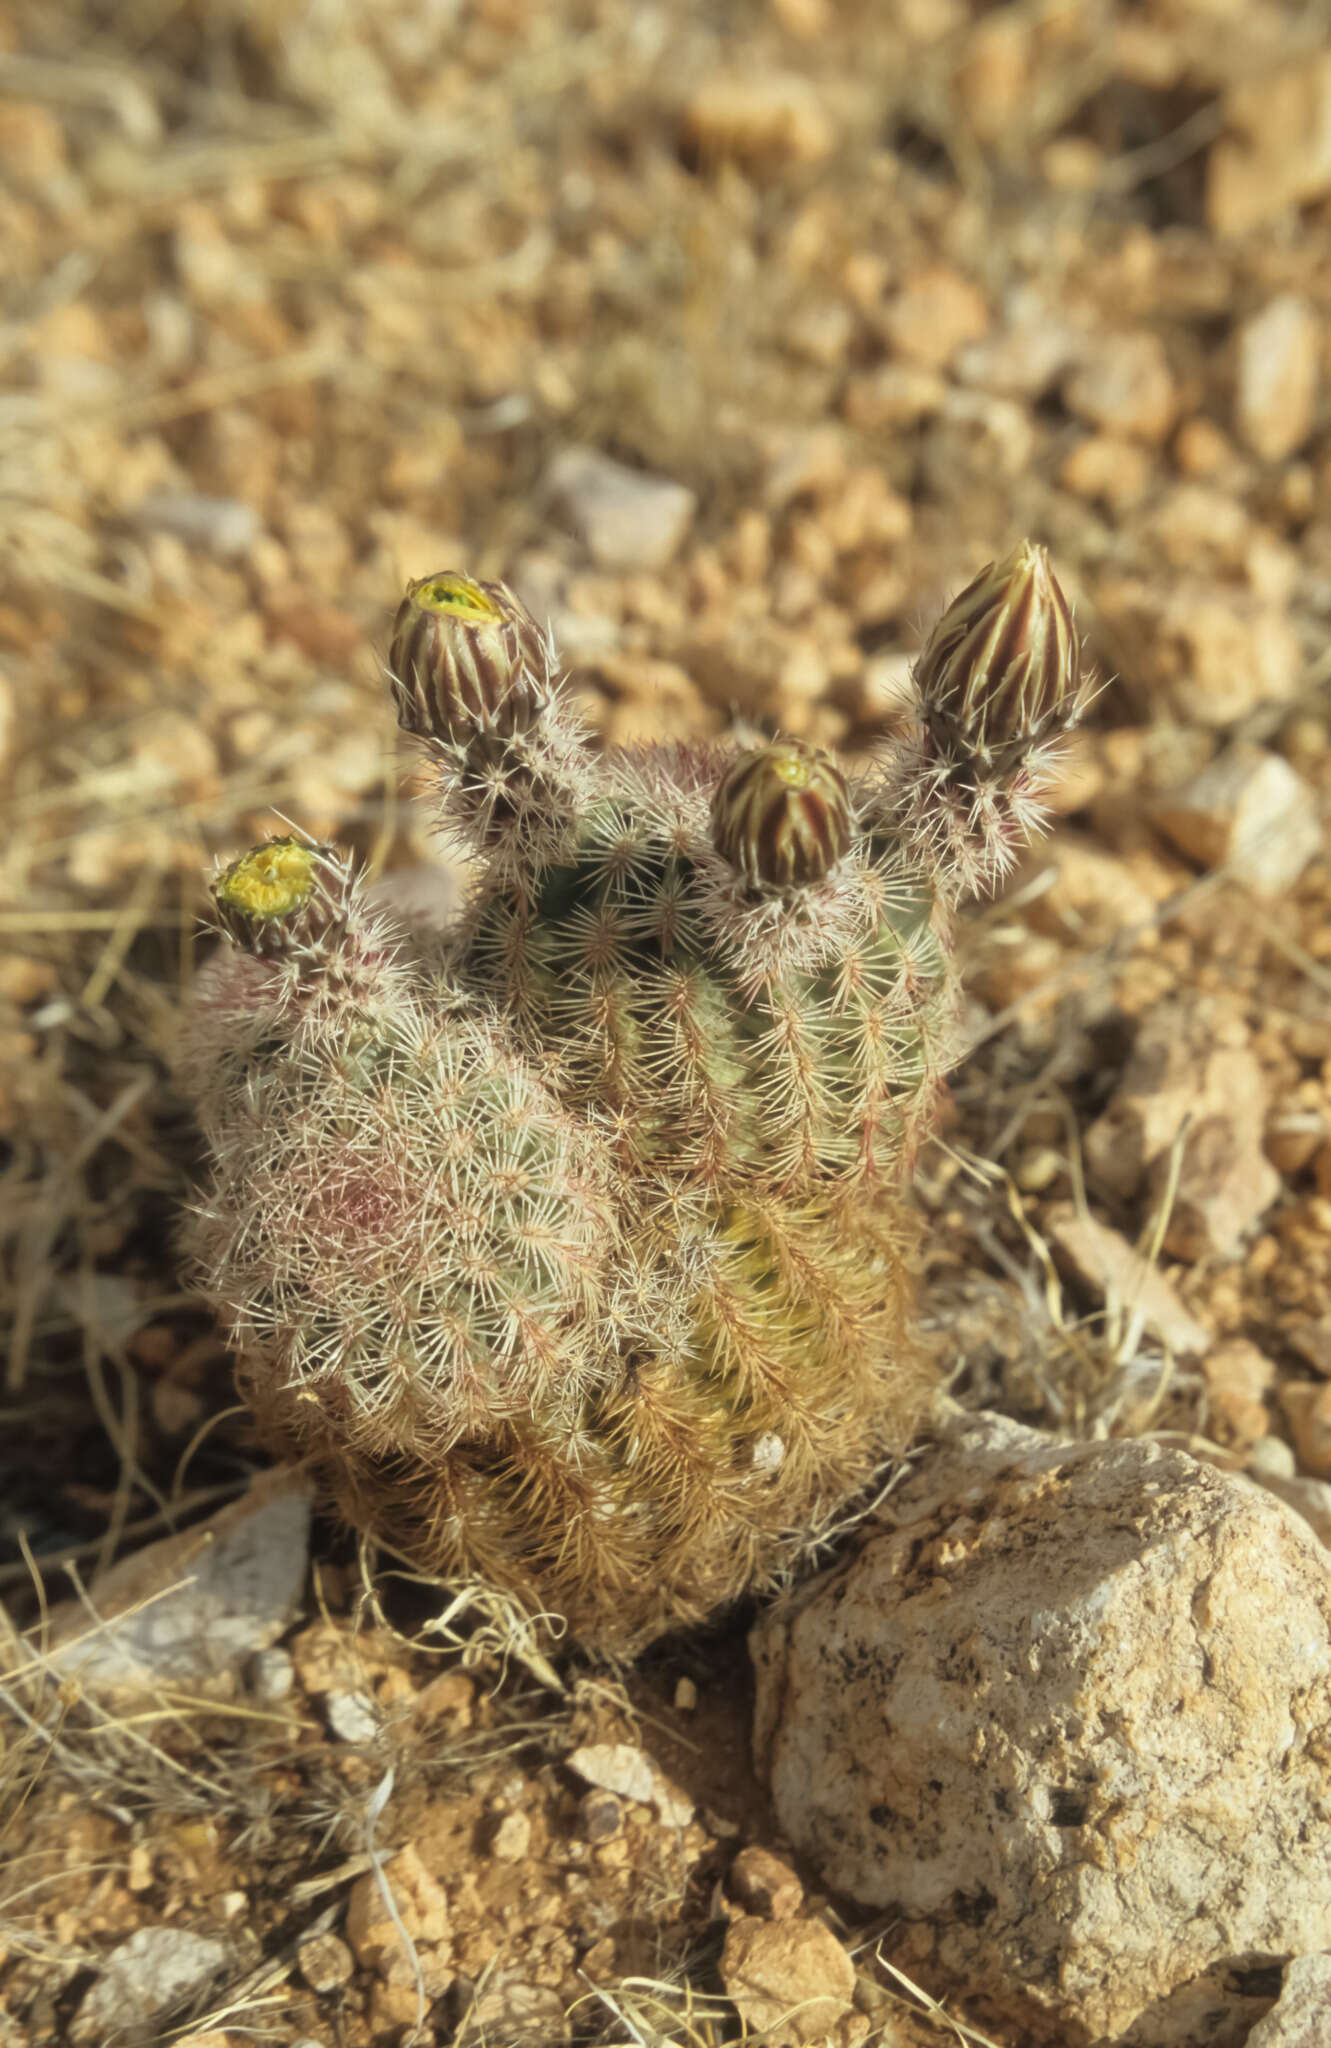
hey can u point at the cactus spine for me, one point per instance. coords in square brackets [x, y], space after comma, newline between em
[574, 1254]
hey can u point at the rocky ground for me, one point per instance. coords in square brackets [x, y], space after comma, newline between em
[738, 338]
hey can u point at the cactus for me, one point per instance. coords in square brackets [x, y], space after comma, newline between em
[572, 1250]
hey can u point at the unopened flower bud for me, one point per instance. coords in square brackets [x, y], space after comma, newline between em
[781, 815]
[467, 660]
[279, 898]
[1002, 669]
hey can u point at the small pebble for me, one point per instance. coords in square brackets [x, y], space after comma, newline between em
[352, 1716]
[326, 1962]
[1271, 1458]
[512, 1838]
[1247, 811]
[1123, 383]
[1276, 394]
[625, 518]
[271, 1674]
[222, 526]
[765, 120]
[600, 1815]
[1307, 1406]
[763, 1884]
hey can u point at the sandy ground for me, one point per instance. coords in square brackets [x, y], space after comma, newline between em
[303, 301]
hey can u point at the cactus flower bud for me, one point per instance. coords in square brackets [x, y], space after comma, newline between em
[467, 659]
[1002, 669]
[781, 815]
[279, 898]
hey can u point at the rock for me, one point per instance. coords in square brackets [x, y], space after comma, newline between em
[220, 526]
[600, 1815]
[619, 1767]
[1271, 1458]
[1247, 811]
[1110, 1268]
[9, 727]
[1078, 1689]
[1123, 383]
[1196, 526]
[624, 518]
[520, 2015]
[1107, 470]
[1307, 1406]
[325, 1962]
[1191, 1080]
[790, 1980]
[1309, 1498]
[1027, 354]
[1301, 2016]
[270, 1675]
[998, 433]
[768, 121]
[194, 1606]
[1276, 383]
[616, 1767]
[934, 315]
[423, 1908]
[149, 1976]
[1276, 149]
[807, 19]
[1201, 448]
[821, 331]
[512, 1838]
[993, 78]
[1238, 1378]
[1312, 1341]
[1295, 1134]
[1092, 897]
[1216, 654]
[764, 1884]
[352, 1717]
[803, 462]
[894, 395]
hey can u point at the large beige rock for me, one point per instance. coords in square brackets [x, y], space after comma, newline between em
[1073, 1712]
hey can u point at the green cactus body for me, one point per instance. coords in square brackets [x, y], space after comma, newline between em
[573, 1255]
[623, 959]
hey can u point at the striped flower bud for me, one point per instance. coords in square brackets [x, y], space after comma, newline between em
[467, 660]
[1002, 669]
[781, 815]
[280, 898]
